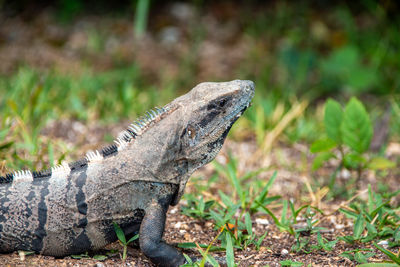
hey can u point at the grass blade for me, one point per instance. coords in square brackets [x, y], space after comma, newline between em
[358, 227]
[388, 253]
[230, 259]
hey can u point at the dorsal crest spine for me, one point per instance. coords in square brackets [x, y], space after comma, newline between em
[135, 129]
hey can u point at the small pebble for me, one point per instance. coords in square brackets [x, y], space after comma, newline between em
[187, 237]
[284, 252]
[209, 224]
[345, 174]
[339, 226]
[21, 255]
[383, 243]
[262, 221]
[99, 264]
[197, 227]
[178, 225]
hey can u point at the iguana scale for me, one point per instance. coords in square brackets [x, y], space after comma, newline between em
[70, 208]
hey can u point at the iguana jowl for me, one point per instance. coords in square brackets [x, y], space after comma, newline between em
[70, 208]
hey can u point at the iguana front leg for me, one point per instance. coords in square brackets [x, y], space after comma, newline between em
[151, 232]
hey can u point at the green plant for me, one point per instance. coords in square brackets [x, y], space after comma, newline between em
[206, 257]
[230, 258]
[395, 257]
[358, 229]
[286, 222]
[350, 132]
[344, 66]
[237, 231]
[196, 207]
[242, 183]
[98, 257]
[81, 256]
[323, 243]
[122, 239]
[141, 14]
[374, 220]
[291, 263]
[303, 235]
[358, 255]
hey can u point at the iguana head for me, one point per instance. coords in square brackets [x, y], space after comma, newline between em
[208, 112]
[188, 133]
[213, 109]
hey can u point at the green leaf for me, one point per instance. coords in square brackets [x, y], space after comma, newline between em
[344, 66]
[358, 227]
[326, 245]
[347, 238]
[341, 61]
[262, 197]
[230, 259]
[291, 263]
[26, 252]
[81, 256]
[225, 199]
[188, 259]
[356, 127]
[361, 78]
[100, 257]
[333, 119]
[372, 233]
[266, 188]
[6, 145]
[353, 160]
[322, 145]
[133, 238]
[380, 163]
[347, 254]
[260, 240]
[396, 235]
[247, 221]
[360, 257]
[120, 234]
[388, 253]
[320, 159]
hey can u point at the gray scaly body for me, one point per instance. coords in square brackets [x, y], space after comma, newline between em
[70, 208]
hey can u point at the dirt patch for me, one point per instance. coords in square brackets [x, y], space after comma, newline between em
[179, 228]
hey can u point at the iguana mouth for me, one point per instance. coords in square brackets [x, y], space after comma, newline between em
[235, 118]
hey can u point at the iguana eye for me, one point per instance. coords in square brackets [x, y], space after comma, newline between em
[191, 132]
[222, 103]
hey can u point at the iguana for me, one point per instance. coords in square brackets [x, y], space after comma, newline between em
[70, 208]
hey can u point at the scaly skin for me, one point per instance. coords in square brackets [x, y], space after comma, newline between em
[70, 208]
